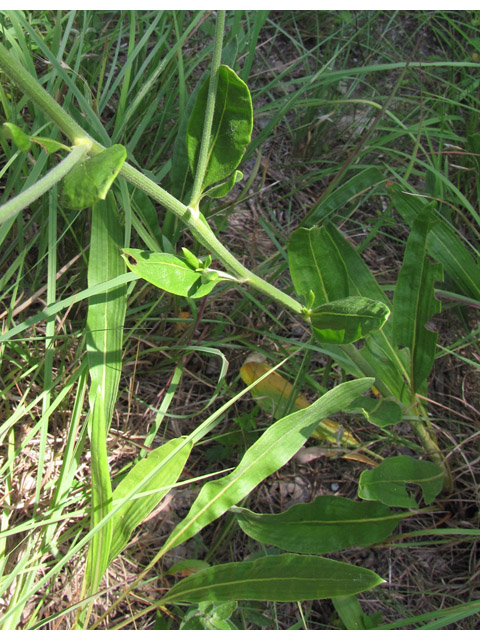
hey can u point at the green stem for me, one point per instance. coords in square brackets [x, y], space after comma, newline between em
[188, 215]
[32, 88]
[25, 198]
[209, 112]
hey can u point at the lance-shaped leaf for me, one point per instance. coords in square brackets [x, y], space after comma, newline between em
[277, 397]
[89, 181]
[444, 244]
[386, 482]
[328, 524]
[231, 128]
[343, 194]
[344, 321]
[282, 578]
[105, 318]
[316, 265]
[136, 510]
[414, 302]
[273, 449]
[380, 352]
[170, 273]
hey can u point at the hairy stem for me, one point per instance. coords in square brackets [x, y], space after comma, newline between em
[201, 167]
[189, 216]
[25, 198]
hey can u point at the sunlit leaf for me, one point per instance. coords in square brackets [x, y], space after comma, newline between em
[278, 578]
[135, 511]
[277, 397]
[168, 272]
[49, 145]
[273, 449]
[105, 318]
[329, 523]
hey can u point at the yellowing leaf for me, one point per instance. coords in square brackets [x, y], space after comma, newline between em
[277, 397]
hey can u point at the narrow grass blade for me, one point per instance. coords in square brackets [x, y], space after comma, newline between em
[444, 245]
[343, 194]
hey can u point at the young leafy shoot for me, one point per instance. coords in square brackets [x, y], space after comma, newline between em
[171, 273]
[90, 181]
[319, 273]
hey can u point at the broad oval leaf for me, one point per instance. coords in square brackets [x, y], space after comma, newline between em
[386, 482]
[168, 272]
[389, 363]
[89, 181]
[328, 524]
[280, 578]
[317, 265]
[347, 320]
[231, 128]
[17, 136]
[273, 449]
[136, 510]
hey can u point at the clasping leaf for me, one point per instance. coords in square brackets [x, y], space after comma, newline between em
[347, 320]
[231, 130]
[89, 181]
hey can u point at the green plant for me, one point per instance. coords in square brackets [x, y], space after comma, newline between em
[339, 299]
